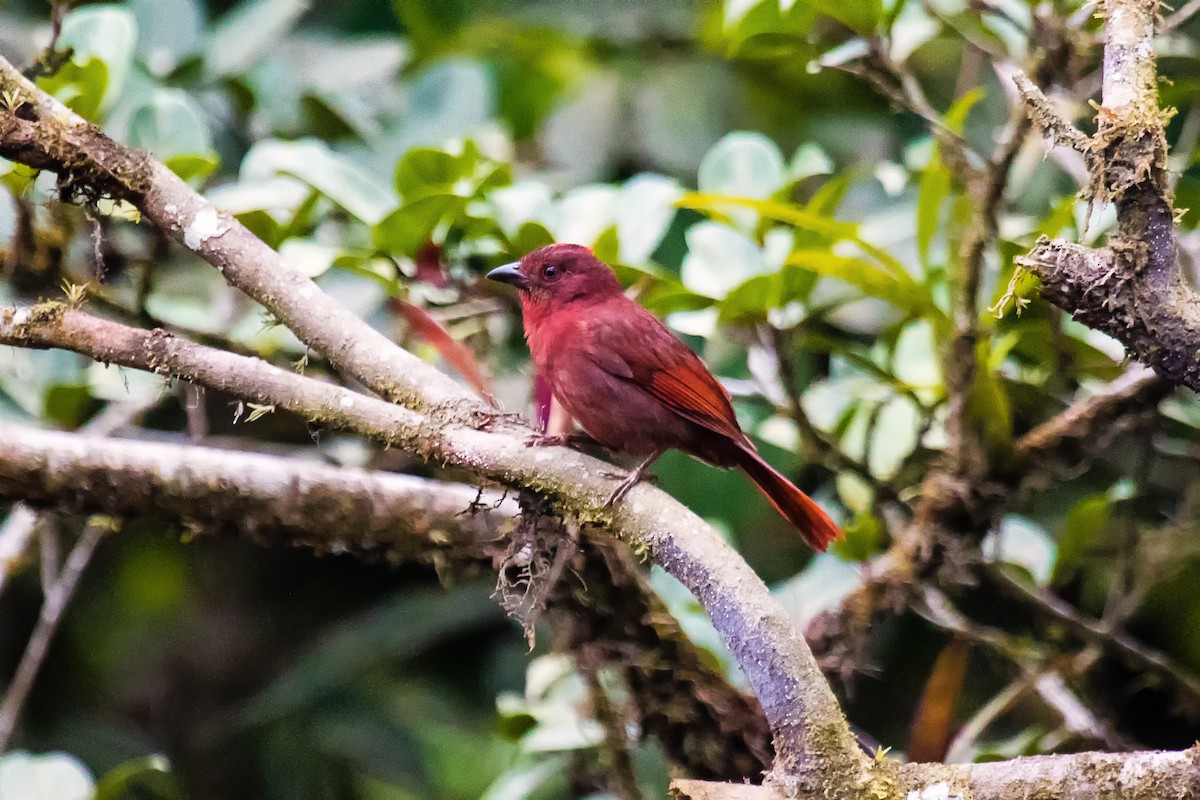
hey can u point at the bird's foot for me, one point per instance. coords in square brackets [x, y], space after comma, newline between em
[634, 477]
[561, 440]
[631, 479]
[490, 421]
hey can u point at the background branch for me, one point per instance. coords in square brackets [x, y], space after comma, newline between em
[1132, 288]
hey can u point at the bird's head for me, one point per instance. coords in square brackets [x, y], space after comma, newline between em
[558, 274]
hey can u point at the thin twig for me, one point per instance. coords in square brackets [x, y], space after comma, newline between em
[623, 780]
[1092, 630]
[23, 522]
[1181, 16]
[811, 435]
[58, 597]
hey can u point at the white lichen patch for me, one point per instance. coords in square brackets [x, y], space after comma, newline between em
[206, 225]
[347, 402]
[20, 316]
[1138, 767]
[936, 791]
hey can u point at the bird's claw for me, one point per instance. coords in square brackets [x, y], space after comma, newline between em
[630, 480]
[561, 440]
[542, 440]
[492, 420]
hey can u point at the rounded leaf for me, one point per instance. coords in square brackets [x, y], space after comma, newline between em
[53, 776]
[643, 214]
[719, 259]
[742, 164]
[104, 32]
[171, 126]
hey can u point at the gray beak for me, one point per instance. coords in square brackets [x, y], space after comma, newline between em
[510, 273]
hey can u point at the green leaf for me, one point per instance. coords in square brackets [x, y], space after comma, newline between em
[898, 289]
[171, 126]
[797, 217]
[423, 171]
[1023, 543]
[431, 24]
[863, 538]
[105, 32]
[861, 16]
[742, 164]
[149, 777]
[409, 227]
[249, 32]
[333, 175]
[894, 437]
[80, 86]
[719, 258]
[991, 409]
[935, 185]
[644, 211]
[956, 117]
[822, 586]
[68, 404]
[1086, 524]
[529, 237]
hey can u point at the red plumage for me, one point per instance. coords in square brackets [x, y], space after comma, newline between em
[630, 384]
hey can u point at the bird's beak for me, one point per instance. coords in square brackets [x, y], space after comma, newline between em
[510, 273]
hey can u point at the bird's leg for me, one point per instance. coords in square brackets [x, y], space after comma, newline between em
[635, 476]
[567, 439]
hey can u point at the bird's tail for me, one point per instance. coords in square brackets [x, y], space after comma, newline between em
[815, 526]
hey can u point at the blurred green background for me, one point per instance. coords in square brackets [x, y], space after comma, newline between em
[353, 135]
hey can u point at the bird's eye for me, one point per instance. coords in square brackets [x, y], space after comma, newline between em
[551, 271]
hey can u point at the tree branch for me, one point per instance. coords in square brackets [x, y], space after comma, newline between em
[1079, 776]
[811, 736]
[298, 502]
[39, 131]
[1132, 288]
[266, 498]
[58, 597]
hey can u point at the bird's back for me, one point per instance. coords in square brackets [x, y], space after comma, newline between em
[630, 383]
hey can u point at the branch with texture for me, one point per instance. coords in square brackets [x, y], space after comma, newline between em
[811, 735]
[22, 522]
[265, 498]
[291, 501]
[949, 507]
[810, 732]
[1132, 288]
[1079, 776]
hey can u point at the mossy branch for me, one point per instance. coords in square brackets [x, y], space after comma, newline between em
[1132, 288]
[811, 737]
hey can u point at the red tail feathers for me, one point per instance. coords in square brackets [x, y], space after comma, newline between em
[815, 526]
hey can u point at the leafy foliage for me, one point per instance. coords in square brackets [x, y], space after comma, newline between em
[798, 231]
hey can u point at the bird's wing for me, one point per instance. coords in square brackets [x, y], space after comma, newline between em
[630, 343]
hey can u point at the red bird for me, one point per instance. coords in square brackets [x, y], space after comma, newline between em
[630, 384]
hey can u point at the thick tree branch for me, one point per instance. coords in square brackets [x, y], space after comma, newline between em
[22, 521]
[37, 130]
[811, 736]
[1079, 776]
[1132, 288]
[706, 726]
[269, 499]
